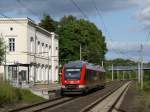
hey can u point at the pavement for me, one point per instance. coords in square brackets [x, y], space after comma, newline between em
[46, 91]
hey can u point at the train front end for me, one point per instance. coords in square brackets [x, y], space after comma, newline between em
[72, 81]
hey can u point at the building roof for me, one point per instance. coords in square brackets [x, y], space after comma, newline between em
[29, 21]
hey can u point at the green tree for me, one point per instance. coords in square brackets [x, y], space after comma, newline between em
[120, 61]
[2, 50]
[48, 23]
[74, 32]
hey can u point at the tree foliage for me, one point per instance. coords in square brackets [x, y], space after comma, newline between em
[120, 61]
[2, 50]
[48, 23]
[74, 33]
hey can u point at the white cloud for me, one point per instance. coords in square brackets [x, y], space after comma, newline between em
[143, 14]
[58, 8]
[129, 50]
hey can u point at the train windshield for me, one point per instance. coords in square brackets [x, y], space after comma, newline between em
[72, 73]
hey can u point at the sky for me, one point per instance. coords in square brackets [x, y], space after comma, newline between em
[124, 23]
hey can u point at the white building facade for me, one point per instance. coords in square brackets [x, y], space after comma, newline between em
[31, 52]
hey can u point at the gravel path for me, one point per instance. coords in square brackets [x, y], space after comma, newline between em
[131, 102]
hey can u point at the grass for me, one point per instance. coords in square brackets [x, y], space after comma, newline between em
[11, 95]
[144, 98]
[28, 96]
[146, 94]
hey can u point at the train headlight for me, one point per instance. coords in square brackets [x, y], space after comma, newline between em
[63, 86]
[78, 81]
[65, 81]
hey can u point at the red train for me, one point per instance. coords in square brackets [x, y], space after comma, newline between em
[79, 77]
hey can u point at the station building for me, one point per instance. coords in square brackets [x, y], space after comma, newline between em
[31, 52]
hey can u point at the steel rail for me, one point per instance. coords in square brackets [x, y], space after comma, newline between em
[33, 105]
[115, 103]
[89, 107]
[29, 107]
[54, 105]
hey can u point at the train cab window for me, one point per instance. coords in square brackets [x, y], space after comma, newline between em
[72, 73]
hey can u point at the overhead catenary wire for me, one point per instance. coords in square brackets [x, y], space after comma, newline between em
[81, 11]
[77, 6]
[146, 42]
[100, 16]
[84, 15]
[30, 10]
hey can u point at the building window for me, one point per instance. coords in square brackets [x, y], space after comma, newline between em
[42, 48]
[56, 48]
[38, 49]
[11, 44]
[31, 44]
[46, 50]
[49, 51]
[11, 28]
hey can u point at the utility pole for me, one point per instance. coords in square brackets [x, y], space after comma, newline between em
[112, 71]
[139, 73]
[102, 63]
[129, 75]
[117, 74]
[123, 75]
[5, 65]
[141, 56]
[48, 70]
[80, 52]
[5, 47]
[35, 58]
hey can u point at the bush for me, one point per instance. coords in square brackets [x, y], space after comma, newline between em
[10, 95]
[28, 96]
[147, 86]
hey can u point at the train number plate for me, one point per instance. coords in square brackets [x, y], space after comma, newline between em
[71, 86]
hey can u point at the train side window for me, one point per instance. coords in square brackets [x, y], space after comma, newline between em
[89, 75]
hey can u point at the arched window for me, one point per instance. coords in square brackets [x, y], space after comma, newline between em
[49, 51]
[31, 44]
[38, 47]
[46, 50]
[42, 49]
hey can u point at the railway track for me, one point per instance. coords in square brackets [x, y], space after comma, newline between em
[57, 104]
[104, 104]
[43, 105]
[78, 104]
